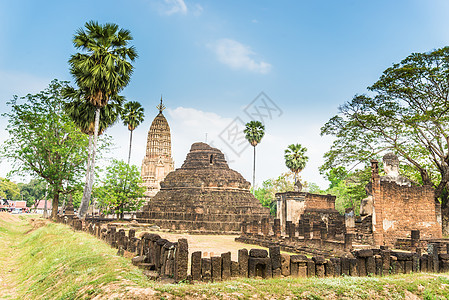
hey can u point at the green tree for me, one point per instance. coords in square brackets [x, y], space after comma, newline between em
[348, 187]
[254, 132]
[32, 191]
[266, 193]
[9, 190]
[407, 112]
[101, 71]
[121, 190]
[132, 116]
[43, 141]
[295, 158]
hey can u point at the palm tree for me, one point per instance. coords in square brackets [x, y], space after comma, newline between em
[82, 114]
[101, 71]
[295, 158]
[132, 116]
[254, 132]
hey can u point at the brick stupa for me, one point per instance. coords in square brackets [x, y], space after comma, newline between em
[204, 195]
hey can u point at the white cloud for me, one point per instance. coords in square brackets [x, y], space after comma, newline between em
[238, 56]
[174, 7]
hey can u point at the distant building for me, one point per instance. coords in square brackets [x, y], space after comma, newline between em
[158, 161]
[41, 206]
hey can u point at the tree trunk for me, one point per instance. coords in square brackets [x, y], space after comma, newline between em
[88, 189]
[254, 170]
[54, 205]
[86, 184]
[130, 143]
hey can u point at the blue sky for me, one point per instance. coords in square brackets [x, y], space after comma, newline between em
[210, 59]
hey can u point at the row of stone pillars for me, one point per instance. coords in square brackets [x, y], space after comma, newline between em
[305, 229]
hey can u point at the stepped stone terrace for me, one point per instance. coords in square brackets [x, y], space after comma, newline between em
[204, 195]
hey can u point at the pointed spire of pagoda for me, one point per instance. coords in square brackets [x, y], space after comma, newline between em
[161, 106]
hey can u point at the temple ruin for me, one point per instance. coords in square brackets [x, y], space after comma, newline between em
[203, 195]
[397, 213]
[158, 161]
[395, 206]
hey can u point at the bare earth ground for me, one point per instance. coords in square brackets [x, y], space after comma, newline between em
[210, 245]
[7, 257]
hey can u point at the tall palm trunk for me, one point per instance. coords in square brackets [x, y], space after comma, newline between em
[254, 170]
[130, 143]
[86, 184]
[88, 188]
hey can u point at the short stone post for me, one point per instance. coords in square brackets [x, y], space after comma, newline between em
[291, 229]
[329, 268]
[243, 262]
[285, 264]
[345, 266]
[301, 228]
[277, 228]
[319, 266]
[336, 261]
[415, 236]
[195, 268]
[265, 224]
[306, 227]
[310, 268]
[353, 267]
[226, 265]
[423, 263]
[323, 231]
[235, 272]
[216, 268]
[275, 256]
[181, 260]
[385, 261]
[206, 269]
[348, 241]
[432, 250]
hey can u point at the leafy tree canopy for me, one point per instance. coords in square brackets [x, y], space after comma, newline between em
[254, 132]
[9, 190]
[266, 193]
[407, 112]
[43, 141]
[32, 191]
[295, 158]
[121, 190]
[348, 187]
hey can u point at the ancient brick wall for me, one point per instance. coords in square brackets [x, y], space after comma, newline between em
[316, 201]
[405, 208]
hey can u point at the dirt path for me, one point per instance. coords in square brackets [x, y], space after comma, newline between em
[8, 238]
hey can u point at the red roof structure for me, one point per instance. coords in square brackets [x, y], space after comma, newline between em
[41, 204]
